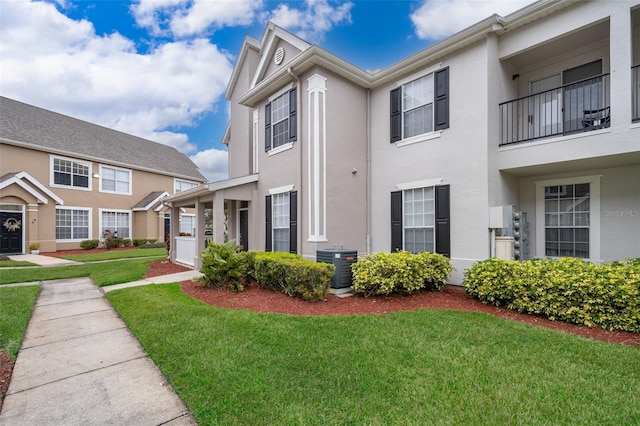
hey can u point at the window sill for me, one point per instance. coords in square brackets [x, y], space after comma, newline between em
[420, 138]
[75, 188]
[281, 148]
[115, 192]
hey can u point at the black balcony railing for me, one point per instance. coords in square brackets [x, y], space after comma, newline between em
[577, 107]
[635, 93]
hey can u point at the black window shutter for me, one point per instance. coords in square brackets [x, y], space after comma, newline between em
[443, 222]
[293, 222]
[267, 127]
[293, 110]
[269, 225]
[396, 114]
[396, 221]
[441, 90]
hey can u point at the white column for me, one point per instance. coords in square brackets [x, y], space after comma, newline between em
[218, 216]
[317, 154]
[620, 62]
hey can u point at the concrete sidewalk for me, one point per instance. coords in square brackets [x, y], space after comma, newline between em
[80, 365]
[41, 260]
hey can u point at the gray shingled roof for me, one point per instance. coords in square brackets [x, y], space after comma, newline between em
[50, 131]
[146, 200]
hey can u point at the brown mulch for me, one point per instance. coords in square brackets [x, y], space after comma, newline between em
[83, 251]
[453, 298]
[6, 367]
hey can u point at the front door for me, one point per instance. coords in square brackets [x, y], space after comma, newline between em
[11, 224]
[244, 229]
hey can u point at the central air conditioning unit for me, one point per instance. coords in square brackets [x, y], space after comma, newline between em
[342, 259]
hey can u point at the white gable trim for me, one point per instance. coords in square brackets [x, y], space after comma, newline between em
[153, 203]
[273, 33]
[19, 179]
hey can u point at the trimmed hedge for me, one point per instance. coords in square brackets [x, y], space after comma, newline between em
[566, 289]
[89, 244]
[137, 242]
[400, 272]
[225, 266]
[293, 275]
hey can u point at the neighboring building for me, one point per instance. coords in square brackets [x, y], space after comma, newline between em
[537, 112]
[64, 180]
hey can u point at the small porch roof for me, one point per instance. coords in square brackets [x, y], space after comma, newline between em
[210, 187]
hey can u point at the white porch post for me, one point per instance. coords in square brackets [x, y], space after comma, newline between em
[174, 228]
[199, 233]
[218, 216]
[620, 63]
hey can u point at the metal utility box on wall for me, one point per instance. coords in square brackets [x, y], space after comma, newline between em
[342, 259]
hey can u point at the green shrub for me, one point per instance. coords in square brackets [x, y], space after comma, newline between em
[89, 244]
[222, 266]
[112, 242]
[293, 275]
[152, 245]
[137, 242]
[566, 289]
[400, 272]
[126, 242]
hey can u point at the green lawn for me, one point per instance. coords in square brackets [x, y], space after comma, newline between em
[410, 368]
[117, 254]
[15, 264]
[107, 273]
[17, 304]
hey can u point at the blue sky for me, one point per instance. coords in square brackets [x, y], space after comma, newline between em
[159, 68]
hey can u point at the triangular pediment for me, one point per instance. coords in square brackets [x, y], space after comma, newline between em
[30, 185]
[278, 48]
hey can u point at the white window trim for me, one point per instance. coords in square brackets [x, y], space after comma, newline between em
[419, 138]
[182, 215]
[281, 189]
[594, 213]
[405, 227]
[281, 92]
[288, 227]
[284, 147]
[419, 184]
[175, 184]
[104, 166]
[77, 240]
[419, 74]
[100, 211]
[75, 188]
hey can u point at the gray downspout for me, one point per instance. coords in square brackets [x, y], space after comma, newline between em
[368, 173]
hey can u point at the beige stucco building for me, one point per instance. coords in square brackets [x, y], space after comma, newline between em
[64, 180]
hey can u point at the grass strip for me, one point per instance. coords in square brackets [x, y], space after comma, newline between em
[15, 264]
[117, 254]
[17, 304]
[420, 367]
[103, 274]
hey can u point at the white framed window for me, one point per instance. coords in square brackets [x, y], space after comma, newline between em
[73, 224]
[188, 224]
[280, 120]
[417, 106]
[280, 217]
[118, 222]
[418, 221]
[115, 180]
[69, 173]
[180, 185]
[568, 218]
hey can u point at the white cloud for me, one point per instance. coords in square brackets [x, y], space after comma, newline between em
[213, 163]
[314, 20]
[61, 64]
[190, 17]
[436, 19]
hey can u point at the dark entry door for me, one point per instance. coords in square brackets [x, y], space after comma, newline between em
[244, 229]
[11, 232]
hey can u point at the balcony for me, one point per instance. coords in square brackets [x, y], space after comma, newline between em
[581, 106]
[635, 96]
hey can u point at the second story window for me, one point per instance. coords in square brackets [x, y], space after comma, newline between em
[280, 120]
[70, 173]
[182, 185]
[115, 180]
[420, 106]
